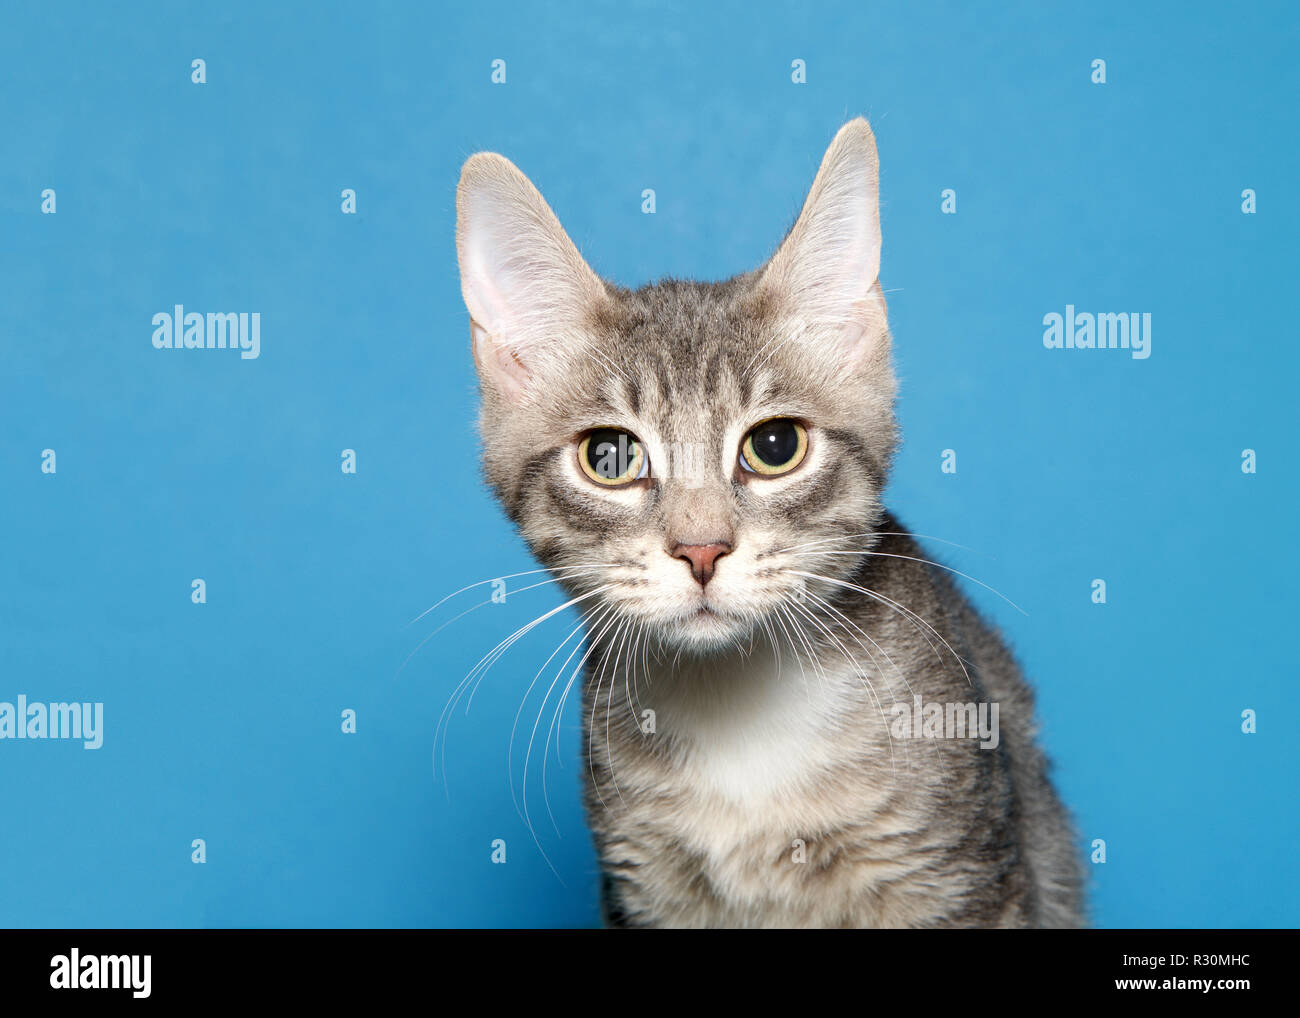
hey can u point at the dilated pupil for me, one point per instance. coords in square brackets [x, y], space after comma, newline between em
[610, 453]
[776, 442]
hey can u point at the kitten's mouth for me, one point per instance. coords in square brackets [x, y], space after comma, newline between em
[704, 627]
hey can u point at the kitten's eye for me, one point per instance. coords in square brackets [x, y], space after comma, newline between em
[612, 457]
[774, 447]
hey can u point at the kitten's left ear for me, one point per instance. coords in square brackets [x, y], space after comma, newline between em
[822, 281]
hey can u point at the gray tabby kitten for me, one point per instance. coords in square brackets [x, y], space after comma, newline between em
[702, 464]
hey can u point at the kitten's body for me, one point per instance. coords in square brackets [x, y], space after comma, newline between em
[698, 824]
[772, 790]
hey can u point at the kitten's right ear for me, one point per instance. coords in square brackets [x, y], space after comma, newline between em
[526, 286]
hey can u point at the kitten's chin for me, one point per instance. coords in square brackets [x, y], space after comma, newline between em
[706, 631]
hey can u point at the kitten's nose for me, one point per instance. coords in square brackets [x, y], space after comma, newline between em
[701, 557]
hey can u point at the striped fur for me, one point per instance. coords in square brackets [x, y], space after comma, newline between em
[771, 791]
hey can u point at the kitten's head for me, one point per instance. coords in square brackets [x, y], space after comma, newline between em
[681, 453]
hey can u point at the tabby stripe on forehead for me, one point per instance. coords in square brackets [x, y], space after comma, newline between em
[710, 375]
[746, 387]
[663, 377]
[633, 395]
[603, 405]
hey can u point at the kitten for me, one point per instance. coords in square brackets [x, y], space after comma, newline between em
[703, 464]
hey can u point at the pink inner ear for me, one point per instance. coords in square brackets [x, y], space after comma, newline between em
[852, 342]
[505, 369]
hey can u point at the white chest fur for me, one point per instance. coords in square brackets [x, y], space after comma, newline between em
[750, 730]
[762, 762]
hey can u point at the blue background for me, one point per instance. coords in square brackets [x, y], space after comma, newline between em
[223, 719]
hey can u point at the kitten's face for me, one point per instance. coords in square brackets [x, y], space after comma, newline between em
[684, 454]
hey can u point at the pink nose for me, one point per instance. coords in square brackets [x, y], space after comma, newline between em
[701, 557]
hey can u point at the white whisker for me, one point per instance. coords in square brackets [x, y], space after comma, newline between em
[508, 576]
[931, 562]
[901, 608]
